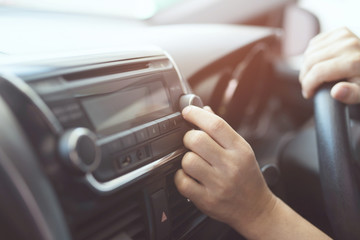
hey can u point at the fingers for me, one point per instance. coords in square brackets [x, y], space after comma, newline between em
[213, 125]
[188, 187]
[346, 92]
[331, 57]
[326, 71]
[197, 168]
[202, 144]
[313, 59]
[208, 108]
[323, 54]
[324, 40]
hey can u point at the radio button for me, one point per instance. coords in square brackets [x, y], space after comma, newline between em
[161, 212]
[128, 140]
[175, 122]
[164, 126]
[153, 130]
[141, 135]
[140, 154]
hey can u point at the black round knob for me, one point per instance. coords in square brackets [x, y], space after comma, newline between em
[79, 150]
[190, 99]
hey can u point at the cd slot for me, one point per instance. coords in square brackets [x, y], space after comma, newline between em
[106, 71]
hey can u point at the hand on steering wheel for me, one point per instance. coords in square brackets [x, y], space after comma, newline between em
[337, 167]
[330, 57]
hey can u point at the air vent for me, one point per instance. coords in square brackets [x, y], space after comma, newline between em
[98, 72]
[126, 220]
[184, 215]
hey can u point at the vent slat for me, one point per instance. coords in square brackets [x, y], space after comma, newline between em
[126, 218]
[136, 230]
[181, 210]
[121, 224]
[177, 223]
[105, 219]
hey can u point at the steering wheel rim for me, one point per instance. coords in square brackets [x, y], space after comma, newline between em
[337, 167]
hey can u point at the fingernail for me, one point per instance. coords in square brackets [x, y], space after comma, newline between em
[186, 110]
[342, 93]
[304, 94]
[208, 108]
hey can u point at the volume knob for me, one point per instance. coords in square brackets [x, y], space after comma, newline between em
[190, 99]
[78, 148]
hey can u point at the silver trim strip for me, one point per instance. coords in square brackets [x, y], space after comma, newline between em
[124, 179]
[183, 83]
[35, 99]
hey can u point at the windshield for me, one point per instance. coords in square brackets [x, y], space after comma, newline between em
[141, 9]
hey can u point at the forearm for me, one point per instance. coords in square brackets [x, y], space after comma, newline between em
[281, 222]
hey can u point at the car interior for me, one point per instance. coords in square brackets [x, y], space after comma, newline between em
[91, 127]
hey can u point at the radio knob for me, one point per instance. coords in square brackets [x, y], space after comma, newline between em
[190, 99]
[79, 150]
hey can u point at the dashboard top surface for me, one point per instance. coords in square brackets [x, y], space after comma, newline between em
[51, 34]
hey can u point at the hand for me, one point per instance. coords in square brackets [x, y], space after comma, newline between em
[220, 174]
[330, 57]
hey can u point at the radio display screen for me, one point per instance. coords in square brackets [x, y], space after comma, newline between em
[127, 108]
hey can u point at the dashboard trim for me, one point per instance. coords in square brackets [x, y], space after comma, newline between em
[185, 88]
[79, 66]
[122, 180]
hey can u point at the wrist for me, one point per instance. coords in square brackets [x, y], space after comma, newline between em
[261, 223]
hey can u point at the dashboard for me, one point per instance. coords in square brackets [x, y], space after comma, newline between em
[92, 128]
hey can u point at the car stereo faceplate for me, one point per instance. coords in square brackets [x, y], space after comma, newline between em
[116, 116]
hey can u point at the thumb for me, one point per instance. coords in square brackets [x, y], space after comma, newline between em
[208, 108]
[346, 92]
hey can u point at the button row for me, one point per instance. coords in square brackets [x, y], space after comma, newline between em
[142, 134]
[170, 124]
[119, 144]
[130, 158]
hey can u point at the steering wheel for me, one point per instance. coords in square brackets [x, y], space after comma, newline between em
[337, 166]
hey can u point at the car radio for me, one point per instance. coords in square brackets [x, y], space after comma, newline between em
[117, 116]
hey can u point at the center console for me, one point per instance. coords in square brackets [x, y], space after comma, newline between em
[107, 129]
